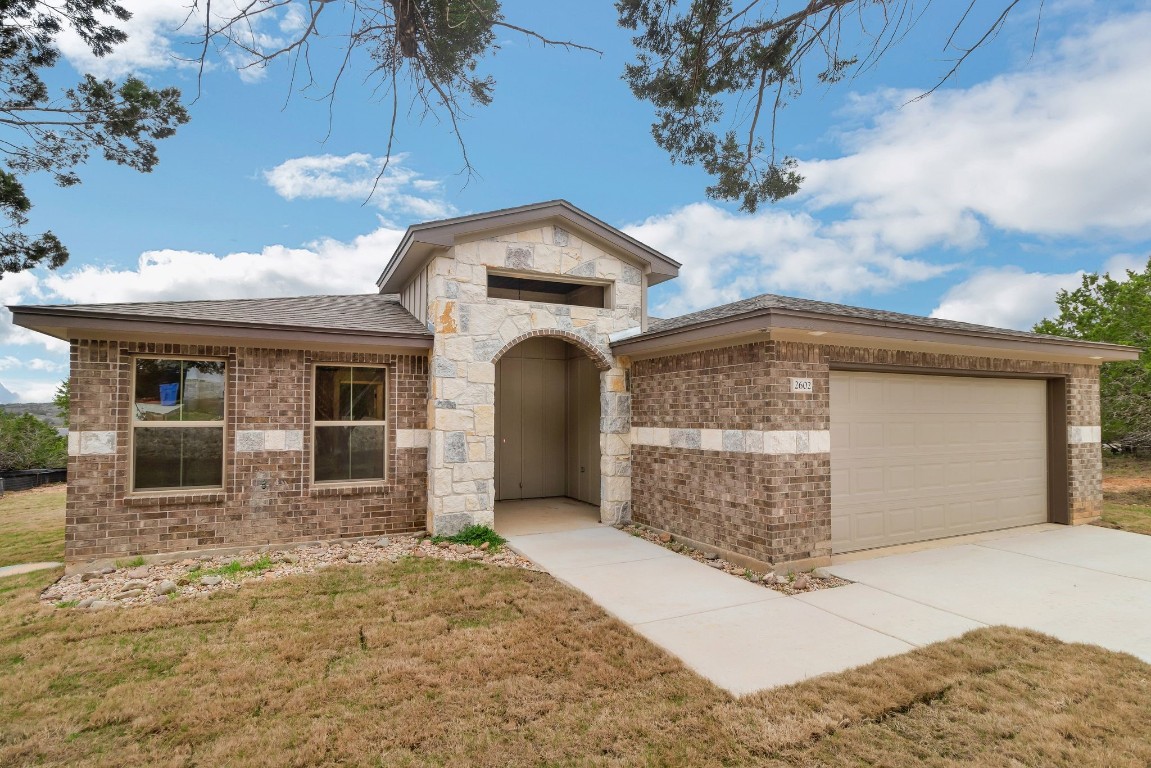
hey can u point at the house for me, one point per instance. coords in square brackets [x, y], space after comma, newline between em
[510, 355]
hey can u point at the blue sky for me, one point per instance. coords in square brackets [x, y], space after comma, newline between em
[977, 203]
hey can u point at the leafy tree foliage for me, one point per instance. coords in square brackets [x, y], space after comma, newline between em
[26, 442]
[54, 132]
[62, 399]
[719, 72]
[1116, 311]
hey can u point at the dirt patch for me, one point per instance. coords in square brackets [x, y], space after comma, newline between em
[791, 584]
[162, 582]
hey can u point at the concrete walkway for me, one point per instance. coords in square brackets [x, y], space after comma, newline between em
[1084, 584]
[742, 637]
[16, 570]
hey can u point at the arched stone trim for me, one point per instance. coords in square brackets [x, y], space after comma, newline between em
[601, 361]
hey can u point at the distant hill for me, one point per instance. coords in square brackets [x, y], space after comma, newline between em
[7, 395]
[44, 411]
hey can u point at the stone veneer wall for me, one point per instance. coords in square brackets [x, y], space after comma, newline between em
[724, 453]
[472, 331]
[268, 497]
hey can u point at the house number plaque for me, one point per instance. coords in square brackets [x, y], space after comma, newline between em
[803, 386]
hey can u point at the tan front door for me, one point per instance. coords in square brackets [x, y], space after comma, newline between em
[923, 457]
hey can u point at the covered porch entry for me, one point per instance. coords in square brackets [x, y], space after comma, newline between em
[547, 438]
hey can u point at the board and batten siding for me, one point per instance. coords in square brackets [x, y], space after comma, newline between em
[414, 297]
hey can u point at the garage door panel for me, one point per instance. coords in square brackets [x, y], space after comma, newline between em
[918, 457]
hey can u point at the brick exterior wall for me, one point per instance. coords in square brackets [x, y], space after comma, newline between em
[777, 508]
[267, 497]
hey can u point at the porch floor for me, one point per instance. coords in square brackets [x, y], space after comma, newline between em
[549, 515]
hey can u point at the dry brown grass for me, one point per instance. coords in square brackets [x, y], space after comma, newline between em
[32, 526]
[1127, 492]
[433, 663]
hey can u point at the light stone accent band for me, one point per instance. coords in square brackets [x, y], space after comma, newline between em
[774, 441]
[411, 438]
[91, 443]
[1081, 435]
[253, 440]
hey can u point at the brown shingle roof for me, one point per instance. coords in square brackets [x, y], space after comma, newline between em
[361, 313]
[768, 301]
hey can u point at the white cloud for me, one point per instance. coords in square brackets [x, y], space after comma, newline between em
[1005, 297]
[1061, 148]
[325, 266]
[353, 177]
[151, 29]
[728, 256]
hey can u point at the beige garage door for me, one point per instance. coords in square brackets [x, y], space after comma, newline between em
[924, 457]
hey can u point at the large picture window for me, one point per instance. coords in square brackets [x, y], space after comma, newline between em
[350, 424]
[177, 424]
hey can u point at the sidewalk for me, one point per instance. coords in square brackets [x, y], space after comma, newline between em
[742, 637]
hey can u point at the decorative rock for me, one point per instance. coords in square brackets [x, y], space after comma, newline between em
[462, 549]
[383, 541]
[86, 602]
[290, 559]
[476, 556]
[770, 578]
[486, 546]
[211, 581]
[715, 564]
[443, 544]
[99, 605]
[138, 573]
[820, 573]
[339, 555]
[355, 559]
[803, 581]
[136, 584]
[128, 594]
[106, 570]
[665, 538]
[710, 556]
[419, 553]
[90, 575]
[166, 587]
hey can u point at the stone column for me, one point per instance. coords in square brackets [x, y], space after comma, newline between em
[615, 447]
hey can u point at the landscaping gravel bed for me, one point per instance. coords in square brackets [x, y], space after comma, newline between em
[144, 584]
[791, 584]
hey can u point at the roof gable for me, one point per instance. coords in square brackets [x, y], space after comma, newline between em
[421, 240]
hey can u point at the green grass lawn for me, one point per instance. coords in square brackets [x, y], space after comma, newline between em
[32, 526]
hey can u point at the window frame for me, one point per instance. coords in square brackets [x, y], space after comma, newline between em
[548, 277]
[386, 423]
[134, 424]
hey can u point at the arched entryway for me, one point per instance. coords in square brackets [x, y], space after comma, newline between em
[547, 473]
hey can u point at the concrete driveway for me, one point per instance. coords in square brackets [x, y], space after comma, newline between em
[1085, 584]
[1082, 584]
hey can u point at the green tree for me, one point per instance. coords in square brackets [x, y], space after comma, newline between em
[1117, 311]
[54, 132]
[62, 399]
[26, 442]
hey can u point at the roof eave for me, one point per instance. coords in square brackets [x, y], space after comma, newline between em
[421, 239]
[818, 325]
[72, 324]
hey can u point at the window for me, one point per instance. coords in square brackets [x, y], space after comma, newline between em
[548, 291]
[350, 424]
[177, 424]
